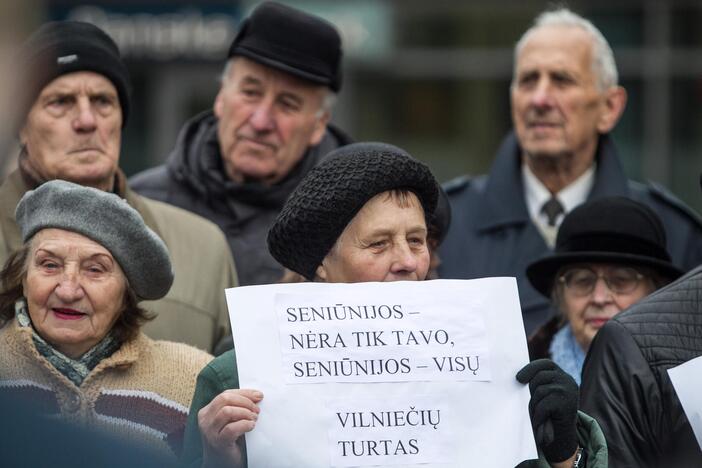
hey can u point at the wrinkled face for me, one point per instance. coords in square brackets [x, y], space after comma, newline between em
[588, 313]
[74, 288]
[385, 241]
[557, 108]
[73, 130]
[267, 120]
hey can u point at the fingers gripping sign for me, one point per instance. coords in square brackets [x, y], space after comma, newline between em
[553, 408]
[223, 421]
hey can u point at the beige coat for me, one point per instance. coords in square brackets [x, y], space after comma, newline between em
[194, 311]
[141, 392]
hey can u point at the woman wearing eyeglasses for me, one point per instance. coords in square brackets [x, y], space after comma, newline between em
[610, 253]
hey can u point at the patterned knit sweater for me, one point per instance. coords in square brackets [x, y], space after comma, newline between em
[142, 391]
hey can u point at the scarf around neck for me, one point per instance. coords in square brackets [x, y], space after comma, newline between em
[75, 370]
[567, 353]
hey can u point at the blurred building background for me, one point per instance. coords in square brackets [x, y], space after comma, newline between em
[429, 76]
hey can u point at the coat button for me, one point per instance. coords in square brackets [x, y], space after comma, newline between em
[73, 403]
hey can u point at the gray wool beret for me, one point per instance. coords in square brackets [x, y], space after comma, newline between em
[330, 195]
[108, 220]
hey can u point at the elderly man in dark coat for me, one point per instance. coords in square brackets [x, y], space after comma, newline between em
[565, 100]
[236, 165]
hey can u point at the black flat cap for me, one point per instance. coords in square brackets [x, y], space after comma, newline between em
[332, 193]
[61, 47]
[292, 41]
[607, 230]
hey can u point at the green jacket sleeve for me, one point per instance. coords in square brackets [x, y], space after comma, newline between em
[590, 438]
[219, 375]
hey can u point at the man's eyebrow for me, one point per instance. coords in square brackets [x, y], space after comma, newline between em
[293, 96]
[57, 93]
[380, 232]
[417, 228]
[248, 79]
[102, 90]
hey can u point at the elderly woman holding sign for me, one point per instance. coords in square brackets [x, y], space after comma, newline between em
[71, 344]
[359, 216]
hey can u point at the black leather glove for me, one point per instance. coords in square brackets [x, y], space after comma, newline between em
[553, 408]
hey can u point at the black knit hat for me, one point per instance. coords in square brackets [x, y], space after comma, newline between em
[328, 198]
[291, 41]
[62, 47]
[609, 230]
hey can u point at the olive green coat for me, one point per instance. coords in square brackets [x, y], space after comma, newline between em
[194, 311]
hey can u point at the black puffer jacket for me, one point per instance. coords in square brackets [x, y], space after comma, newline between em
[194, 179]
[626, 387]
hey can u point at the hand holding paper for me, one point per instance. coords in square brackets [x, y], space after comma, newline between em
[408, 373]
[222, 422]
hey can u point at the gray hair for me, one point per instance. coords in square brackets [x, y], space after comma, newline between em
[603, 64]
[328, 101]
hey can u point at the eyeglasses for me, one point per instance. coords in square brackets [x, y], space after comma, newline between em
[581, 281]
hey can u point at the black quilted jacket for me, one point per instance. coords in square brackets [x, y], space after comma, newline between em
[626, 387]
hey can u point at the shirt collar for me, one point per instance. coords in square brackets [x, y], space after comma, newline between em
[536, 193]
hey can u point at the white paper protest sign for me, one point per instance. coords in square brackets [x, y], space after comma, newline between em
[370, 374]
[687, 381]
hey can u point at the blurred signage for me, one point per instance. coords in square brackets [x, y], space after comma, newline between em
[162, 32]
[366, 25]
[166, 31]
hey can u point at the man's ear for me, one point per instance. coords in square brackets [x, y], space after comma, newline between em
[320, 127]
[219, 103]
[22, 134]
[614, 104]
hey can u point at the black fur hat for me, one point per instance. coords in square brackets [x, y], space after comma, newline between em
[292, 41]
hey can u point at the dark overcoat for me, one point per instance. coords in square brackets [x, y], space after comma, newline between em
[491, 233]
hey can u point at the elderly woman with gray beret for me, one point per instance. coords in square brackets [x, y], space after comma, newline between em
[362, 216]
[71, 342]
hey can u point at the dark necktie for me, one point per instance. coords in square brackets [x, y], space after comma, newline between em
[552, 208]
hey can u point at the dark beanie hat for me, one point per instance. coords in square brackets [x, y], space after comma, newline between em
[292, 41]
[62, 47]
[331, 194]
[606, 230]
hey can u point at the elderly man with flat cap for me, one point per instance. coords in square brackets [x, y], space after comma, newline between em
[237, 163]
[74, 103]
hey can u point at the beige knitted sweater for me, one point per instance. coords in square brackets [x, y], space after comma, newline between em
[141, 392]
